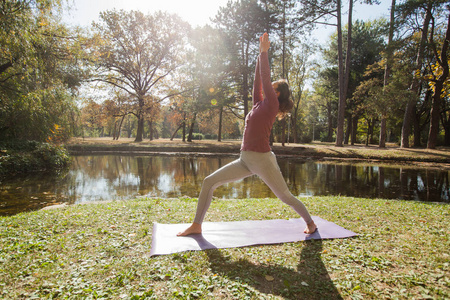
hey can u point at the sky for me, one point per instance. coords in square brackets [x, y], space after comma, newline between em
[196, 12]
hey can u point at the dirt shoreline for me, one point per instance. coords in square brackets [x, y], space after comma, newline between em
[392, 154]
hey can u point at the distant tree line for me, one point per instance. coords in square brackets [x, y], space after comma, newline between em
[153, 75]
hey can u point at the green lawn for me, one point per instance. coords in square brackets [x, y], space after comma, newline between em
[102, 251]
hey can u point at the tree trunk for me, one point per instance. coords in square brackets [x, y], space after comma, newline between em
[114, 131]
[5, 66]
[368, 132]
[184, 127]
[447, 133]
[415, 85]
[417, 129]
[354, 129]
[330, 123]
[294, 127]
[349, 130]
[120, 127]
[348, 57]
[438, 87]
[382, 142]
[150, 129]
[175, 132]
[341, 79]
[283, 131]
[219, 134]
[245, 81]
[140, 116]
[387, 71]
[191, 128]
[445, 118]
[129, 128]
[283, 41]
[435, 115]
[371, 130]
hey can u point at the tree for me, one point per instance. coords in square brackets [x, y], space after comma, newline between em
[417, 8]
[39, 70]
[313, 12]
[117, 109]
[92, 118]
[241, 23]
[212, 74]
[368, 43]
[136, 53]
[387, 70]
[204, 82]
[325, 102]
[439, 77]
[374, 100]
[297, 67]
[410, 106]
[289, 33]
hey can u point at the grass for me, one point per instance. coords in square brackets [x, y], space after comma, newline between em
[101, 251]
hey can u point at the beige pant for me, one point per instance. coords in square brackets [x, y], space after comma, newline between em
[250, 163]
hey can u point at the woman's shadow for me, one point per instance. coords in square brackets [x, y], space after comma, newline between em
[310, 281]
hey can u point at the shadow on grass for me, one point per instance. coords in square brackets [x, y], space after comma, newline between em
[310, 281]
[426, 153]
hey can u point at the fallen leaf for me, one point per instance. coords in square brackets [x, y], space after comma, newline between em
[304, 283]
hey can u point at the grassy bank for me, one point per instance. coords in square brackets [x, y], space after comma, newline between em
[102, 251]
[392, 153]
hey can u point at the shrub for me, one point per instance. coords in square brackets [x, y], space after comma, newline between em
[306, 139]
[196, 136]
[18, 157]
[210, 136]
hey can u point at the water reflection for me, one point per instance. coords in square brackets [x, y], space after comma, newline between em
[113, 177]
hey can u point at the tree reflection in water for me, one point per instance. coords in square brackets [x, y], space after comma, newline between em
[111, 177]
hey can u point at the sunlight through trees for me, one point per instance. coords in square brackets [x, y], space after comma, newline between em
[155, 76]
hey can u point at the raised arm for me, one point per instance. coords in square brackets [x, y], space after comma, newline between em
[257, 87]
[266, 82]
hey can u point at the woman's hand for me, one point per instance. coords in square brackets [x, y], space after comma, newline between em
[264, 43]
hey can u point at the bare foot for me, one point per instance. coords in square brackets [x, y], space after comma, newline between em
[193, 229]
[310, 228]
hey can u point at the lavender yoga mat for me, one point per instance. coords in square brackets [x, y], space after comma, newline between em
[239, 234]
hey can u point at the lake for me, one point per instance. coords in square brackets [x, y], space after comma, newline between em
[119, 177]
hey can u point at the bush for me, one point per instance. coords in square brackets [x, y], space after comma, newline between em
[19, 157]
[195, 136]
[210, 136]
[306, 139]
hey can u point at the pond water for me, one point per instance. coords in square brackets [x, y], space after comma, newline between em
[116, 177]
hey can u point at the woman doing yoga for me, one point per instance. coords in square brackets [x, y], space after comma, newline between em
[269, 100]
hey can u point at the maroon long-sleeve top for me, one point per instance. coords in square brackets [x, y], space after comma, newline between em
[259, 121]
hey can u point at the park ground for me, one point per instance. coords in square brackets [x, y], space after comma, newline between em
[101, 250]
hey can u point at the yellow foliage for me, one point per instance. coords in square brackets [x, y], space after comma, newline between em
[437, 72]
[57, 134]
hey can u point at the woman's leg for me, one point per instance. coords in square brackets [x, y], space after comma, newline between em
[265, 166]
[231, 172]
